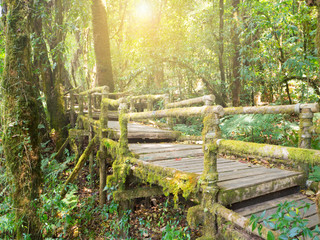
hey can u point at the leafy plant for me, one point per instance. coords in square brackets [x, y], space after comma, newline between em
[315, 174]
[173, 231]
[288, 220]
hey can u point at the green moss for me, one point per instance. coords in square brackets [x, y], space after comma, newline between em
[195, 216]
[297, 155]
[111, 147]
[172, 181]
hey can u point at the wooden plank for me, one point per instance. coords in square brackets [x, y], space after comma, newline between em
[313, 221]
[221, 170]
[199, 165]
[169, 155]
[249, 210]
[311, 211]
[135, 127]
[173, 147]
[232, 195]
[255, 180]
[238, 174]
[186, 161]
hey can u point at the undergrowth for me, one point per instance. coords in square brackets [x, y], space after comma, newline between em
[79, 216]
[288, 220]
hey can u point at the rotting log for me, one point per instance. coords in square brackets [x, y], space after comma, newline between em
[177, 112]
[298, 155]
[135, 193]
[281, 109]
[79, 165]
[189, 102]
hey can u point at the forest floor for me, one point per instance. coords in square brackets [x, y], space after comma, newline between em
[150, 218]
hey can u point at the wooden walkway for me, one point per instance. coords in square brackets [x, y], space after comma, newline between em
[248, 180]
[245, 189]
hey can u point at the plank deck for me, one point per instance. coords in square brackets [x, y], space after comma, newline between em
[139, 131]
[233, 175]
[271, 207]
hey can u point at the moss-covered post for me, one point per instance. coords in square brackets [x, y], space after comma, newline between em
[149, 104]
[72, 112]
[123, 121]
[90, 105]
[306, 116]
[211, 132]
[131, 102]
[102, 150]
[166, 102]
[80, 105]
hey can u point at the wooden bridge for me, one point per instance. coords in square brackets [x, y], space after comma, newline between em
[222, 189]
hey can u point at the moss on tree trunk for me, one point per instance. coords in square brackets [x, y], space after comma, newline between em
[21, 114]
[51, 83]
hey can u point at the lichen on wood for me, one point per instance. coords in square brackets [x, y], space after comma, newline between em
[284, 109]
[177, 112]
[171, 180]
[193, 101]
[297, 155]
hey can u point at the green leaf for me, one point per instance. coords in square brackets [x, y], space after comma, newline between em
[270, 236]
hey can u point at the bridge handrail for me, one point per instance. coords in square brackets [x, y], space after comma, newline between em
[279, 109]
[298, 155]
[176, 112]
[206, 99]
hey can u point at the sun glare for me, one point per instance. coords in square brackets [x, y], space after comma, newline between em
[143, 10]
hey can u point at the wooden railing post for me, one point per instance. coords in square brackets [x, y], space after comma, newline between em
[80, 105]
[166, 102]
[102, 151]
[72, 111]
[306, 117]
[208, 100]
[123, 121]
[90, 105]
[305, 125]
[149, 104]
[131, 102]
[211, 133]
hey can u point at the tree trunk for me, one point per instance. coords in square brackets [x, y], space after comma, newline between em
[51, 84]
[102, 45]
[221, 50]
[235, 60]
[21, 120]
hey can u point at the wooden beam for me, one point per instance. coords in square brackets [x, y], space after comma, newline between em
[177, 112]
[284, 109]
[142, 192]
